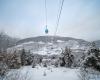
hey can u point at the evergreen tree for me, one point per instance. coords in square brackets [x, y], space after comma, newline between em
[23, 57]
[26, 57]
[93, 58]
[67, 57]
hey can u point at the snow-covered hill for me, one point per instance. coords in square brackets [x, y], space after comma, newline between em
[47, 39]
[44, 45]
[97, 42]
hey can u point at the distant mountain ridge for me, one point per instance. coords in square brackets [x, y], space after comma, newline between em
[50, 39]
[6, 41]
[97, 42]
[44, 44]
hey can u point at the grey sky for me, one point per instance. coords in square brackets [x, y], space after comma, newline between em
[26, 18]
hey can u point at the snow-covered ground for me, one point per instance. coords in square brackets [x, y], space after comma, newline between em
[41, 73]
[49, 73]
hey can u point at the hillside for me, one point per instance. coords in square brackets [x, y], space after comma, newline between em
[50, 39]
[6, 41]
[45, 45]
[97, 43]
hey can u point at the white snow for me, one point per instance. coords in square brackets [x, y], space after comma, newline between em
[30, 42]
[41, 73]
[60, 41]
[47, 50]
[41, 42]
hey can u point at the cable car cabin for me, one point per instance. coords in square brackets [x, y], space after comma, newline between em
[46, 31]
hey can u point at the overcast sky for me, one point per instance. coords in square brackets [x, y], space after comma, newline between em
[26, 18]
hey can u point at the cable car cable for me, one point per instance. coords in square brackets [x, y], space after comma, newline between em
[58, 18]
[46, 12]
[46, 27]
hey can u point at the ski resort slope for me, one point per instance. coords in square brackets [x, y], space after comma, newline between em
[48, 73]
[41, 73]
[55, 74]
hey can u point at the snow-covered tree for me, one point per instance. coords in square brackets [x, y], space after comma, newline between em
[93, 58]
[37, 60]
[26, 57]
[67, 57]
[3, 69]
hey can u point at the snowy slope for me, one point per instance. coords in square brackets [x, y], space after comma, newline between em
[49, 73]
[41, 73]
